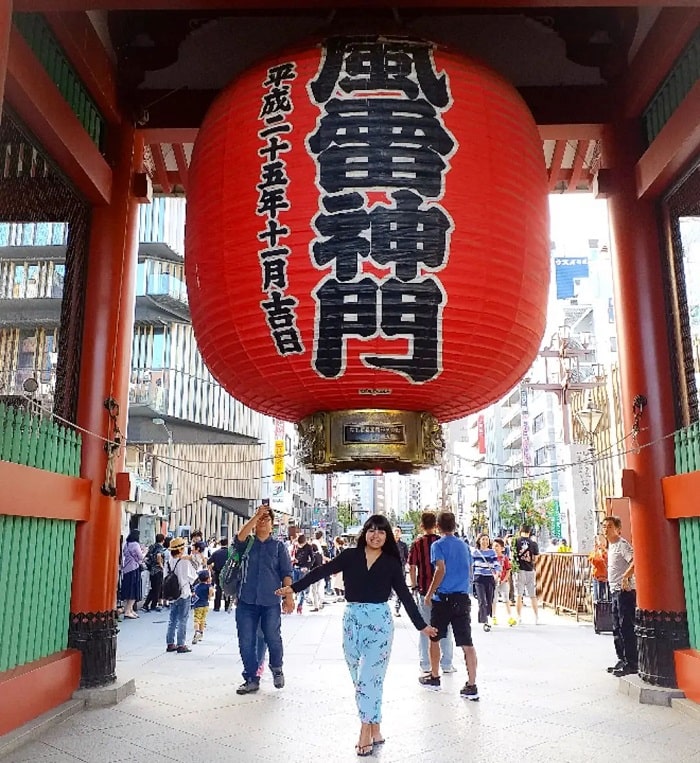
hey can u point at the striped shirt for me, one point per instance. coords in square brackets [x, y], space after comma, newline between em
[485, 562]
[419, 555]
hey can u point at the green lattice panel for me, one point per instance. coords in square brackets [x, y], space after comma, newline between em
[685, 73]
[690, 549]
[32, 440]
[36, 569]
[45, 47]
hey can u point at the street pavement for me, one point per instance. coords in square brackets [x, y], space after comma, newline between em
[545, 696]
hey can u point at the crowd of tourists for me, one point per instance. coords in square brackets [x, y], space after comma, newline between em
[283, 575]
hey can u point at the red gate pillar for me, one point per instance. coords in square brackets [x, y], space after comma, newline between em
[645, 370]
[104, 375]
[5, 26]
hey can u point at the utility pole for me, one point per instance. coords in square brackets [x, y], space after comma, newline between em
[169, 473]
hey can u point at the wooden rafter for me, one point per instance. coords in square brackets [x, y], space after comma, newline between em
[555, 166]
[577, 166]
[161, 171]
[258, 5]
[181, 161]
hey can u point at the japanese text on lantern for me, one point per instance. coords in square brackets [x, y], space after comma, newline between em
[381, 147]
[279, 307]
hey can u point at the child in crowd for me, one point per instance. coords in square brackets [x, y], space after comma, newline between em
[203, 592]
[503, 584]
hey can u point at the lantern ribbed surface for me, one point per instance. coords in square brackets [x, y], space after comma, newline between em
[488, 283]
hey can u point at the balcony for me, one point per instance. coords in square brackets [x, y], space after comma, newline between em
[13, 380]
[150, 388]
[513, 438]
[167, 285]
[510, 415]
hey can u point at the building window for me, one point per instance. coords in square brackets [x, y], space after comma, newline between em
[541, 456]
[538, 422]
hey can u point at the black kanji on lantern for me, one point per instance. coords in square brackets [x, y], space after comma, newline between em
[405, 237]
[390, 309]
[343, 223]
[380, 64]
[344, 310]
[380, 131]
[412, 310]
[368, 143]
[279, 308]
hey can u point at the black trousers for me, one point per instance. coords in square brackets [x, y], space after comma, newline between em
[218, 596]
[485, 587]
[154, 594]
[624, 638]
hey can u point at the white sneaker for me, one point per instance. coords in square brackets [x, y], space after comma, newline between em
[449, 669]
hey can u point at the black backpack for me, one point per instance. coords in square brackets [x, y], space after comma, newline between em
[151, 558]
[171, 585]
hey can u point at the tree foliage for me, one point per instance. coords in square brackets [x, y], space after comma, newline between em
[534, 508]
[480, 519]
[345, 514]
[414, 516]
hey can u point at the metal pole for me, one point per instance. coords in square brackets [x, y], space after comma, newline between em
[593, 482]
[169, 490]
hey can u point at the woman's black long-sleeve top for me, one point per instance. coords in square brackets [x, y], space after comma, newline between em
[367, 586]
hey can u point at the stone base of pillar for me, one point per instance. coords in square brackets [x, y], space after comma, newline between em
[94, 634]
[659, 635]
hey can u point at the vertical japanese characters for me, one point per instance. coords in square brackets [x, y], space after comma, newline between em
[279, 307]
[381, 149]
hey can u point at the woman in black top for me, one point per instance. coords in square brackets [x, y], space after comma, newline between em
[370, 571]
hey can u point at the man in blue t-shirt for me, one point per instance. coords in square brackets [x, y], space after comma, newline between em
[448, 599]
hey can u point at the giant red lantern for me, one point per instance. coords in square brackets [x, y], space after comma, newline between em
[367, 229]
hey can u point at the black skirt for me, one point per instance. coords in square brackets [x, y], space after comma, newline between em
[131, 586]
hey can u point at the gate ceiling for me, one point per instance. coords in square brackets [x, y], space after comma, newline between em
[173, 57]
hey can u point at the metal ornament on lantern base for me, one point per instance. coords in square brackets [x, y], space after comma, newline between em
[402, 441]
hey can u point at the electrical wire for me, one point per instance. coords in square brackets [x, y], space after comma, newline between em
[520, 468]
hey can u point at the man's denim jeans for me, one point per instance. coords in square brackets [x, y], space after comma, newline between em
[446, 644]
[248, 617]
[179, 612]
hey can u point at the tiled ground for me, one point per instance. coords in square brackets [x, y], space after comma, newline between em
[545, 696]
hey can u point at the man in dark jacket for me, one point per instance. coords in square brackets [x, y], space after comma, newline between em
[216, 563]
[403, 555]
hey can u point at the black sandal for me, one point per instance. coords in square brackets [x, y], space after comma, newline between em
[364, 750]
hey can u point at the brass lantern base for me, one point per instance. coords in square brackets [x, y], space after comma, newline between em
[395, 441]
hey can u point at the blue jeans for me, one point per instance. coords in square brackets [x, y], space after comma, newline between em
[297, 574]
[179, 612]
[250, 617]
[446, 644]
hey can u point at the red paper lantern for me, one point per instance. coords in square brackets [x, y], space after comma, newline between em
[367, 227]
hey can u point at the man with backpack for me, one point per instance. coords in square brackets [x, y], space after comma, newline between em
[525, 552]
[155, 559]
[267, 568]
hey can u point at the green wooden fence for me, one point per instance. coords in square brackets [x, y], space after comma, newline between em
[36, 569]
[33, 440]
[40, 38]
[673, 90]
[687, 443]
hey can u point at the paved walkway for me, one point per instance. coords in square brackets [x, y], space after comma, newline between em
[545, 696]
